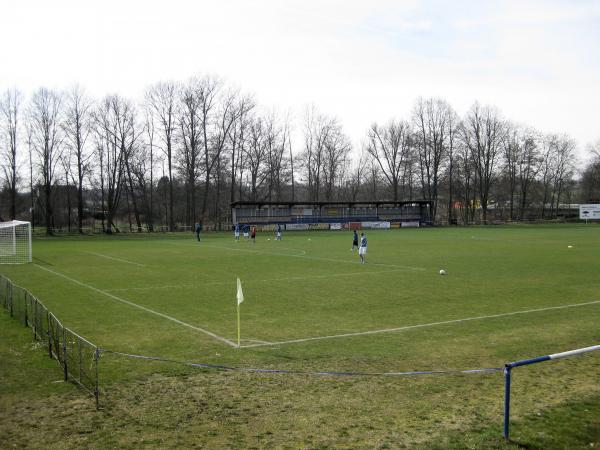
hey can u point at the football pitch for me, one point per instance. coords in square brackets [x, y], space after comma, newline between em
[510, 293]
[309, 294]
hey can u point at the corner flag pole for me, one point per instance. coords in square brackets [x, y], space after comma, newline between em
[240, 299]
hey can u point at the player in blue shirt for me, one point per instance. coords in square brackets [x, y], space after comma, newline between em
[278, 234]
[237, 232]
[362, 250]
[354, 240]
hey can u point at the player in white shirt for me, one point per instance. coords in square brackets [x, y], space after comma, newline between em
[362, 250]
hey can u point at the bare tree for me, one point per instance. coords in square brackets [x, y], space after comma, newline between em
[256, 156]
[316, 130]
[337, 150]
[115, 137]
[527, 166]
[357, 174]
[66, 163]
[546, 171]
[465, 177]
[483, 132]
[453, 124]
[218, 114]
[564, 147]
[162, 99]
[143, 168]
[390, 146]
[431, 121]
[10, 104]
[276, 137]
[77, 129]
[237, 142]
[511, 146]
[590, 179]
[190, 119]
[291, 161]
[44, 120]
[30, 149]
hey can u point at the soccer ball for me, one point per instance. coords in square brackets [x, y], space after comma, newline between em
[570, 246]
[442, 272]
[268, 239]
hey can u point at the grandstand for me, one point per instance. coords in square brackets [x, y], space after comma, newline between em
[332, 215]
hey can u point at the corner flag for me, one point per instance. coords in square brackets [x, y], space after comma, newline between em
[240, 299]
[240, 294]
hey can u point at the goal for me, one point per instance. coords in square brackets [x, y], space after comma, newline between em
[15, 242]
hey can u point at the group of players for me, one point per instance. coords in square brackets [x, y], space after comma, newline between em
[250, 232]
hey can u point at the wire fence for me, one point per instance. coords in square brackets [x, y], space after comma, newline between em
[77, 356]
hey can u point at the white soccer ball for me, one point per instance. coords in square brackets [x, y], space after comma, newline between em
[268, 239]
[442, 272]
[570, 246]
[309, 239]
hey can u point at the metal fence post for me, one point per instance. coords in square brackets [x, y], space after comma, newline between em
[26, 297]
[65, 354]
[506, 400]
[80, 358]
[96, 389]
[10, 299]
[49, 333]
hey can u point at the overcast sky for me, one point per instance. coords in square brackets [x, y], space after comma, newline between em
[537, 61]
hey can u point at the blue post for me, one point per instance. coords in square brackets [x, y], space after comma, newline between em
[506, 399]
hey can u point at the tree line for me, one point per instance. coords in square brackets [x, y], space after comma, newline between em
[188, 149]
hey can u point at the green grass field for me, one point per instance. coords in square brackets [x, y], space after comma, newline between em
[509, 293]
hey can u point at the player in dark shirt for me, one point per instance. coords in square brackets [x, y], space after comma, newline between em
[354, 241]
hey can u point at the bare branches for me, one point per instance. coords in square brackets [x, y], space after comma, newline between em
[46, 132]
[390, 146]
[10, 104]
[162, 99]
[77, 127]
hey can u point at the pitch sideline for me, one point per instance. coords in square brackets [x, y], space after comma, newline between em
[422, 325]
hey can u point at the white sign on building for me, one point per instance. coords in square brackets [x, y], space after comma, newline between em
[589, 211]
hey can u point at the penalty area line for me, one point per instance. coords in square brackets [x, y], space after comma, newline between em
[252, 281]
[143, 308]
[423, 325]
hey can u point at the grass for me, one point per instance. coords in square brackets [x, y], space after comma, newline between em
[310, 285]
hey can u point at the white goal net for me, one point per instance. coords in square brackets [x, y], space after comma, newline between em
[15, 242]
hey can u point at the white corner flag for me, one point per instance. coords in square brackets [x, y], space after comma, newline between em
[240, 299]
[240, 294]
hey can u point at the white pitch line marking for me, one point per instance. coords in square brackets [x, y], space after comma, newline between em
[258, 340]
[423, 325]
[135, 305]
[268, 280]
[318, 258]
[116, 259]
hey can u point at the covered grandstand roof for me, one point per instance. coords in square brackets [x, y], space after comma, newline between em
[339, 203]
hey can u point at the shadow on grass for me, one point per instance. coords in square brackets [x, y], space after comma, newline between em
[43, 262]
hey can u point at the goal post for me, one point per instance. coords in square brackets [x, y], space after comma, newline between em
[15, 242]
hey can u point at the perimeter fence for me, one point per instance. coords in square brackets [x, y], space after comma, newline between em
[77, 356]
